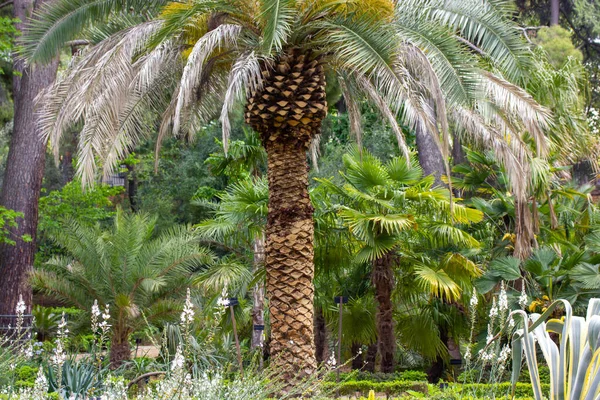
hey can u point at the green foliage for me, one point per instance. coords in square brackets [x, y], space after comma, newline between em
[88, 207]
[127, 266]
[8, 32]
[390, 388]
[9, 219]
[556, 41]
[78, 379]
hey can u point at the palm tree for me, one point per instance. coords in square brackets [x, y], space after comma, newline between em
[126, 267]
[200, 58]
[384, 205]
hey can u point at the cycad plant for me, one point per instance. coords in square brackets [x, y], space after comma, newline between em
[391, 209]
[197, 59]
[137, 273]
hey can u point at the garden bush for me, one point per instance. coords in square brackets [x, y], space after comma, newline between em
[390, 388]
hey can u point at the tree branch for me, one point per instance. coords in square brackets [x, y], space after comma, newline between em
[472, 46]
[144, 376]
[6, 3]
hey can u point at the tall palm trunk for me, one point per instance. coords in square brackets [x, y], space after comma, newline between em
[287, 113]
[383, 280]
[23, 175]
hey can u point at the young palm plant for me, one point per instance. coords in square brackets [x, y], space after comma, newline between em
[385, 206]
[127, 267]
[197, 59]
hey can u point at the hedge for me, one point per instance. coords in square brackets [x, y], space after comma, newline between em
[500, 389]
[389, 388]
[398, 387]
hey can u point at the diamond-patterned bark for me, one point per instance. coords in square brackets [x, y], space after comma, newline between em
[287, 113]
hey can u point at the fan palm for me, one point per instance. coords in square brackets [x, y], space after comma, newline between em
[126, 267]
[199, 58]
[384, 205]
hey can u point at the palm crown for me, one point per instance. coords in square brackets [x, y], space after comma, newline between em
[197, 59]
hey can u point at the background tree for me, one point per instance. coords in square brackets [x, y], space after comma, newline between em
[24, 170]
[380, 203]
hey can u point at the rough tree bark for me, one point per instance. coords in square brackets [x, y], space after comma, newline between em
[119, 349]
[24, 173]
[288, 112]
[358, 357]
[383, 280]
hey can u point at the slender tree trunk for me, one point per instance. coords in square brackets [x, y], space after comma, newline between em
[132, 186]
[23, 175]
[321, 338]
[554, 12]
[66, 163]
[288, 113]
[358, 357]
[458, 153]
[383, 280]
[437, 368]
[371, 357]
[430, 156]
[258, 295]
[524, 236]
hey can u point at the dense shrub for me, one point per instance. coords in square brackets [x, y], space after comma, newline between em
[390, 388]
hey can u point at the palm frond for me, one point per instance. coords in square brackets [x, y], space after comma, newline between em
[437, 283]
[276, 17]
[58, 22]
[520, 104]
[221, 37]
[245, 77]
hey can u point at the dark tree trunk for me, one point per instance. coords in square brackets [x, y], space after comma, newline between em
[583, 173]
[383, 281]
[436, 370]
[371, 357]
[23, 175]
[357, 356]
[119, 350]
[321, 348]
[458, 153]
[67, 171]
[554, 12]
[430, 156]
[132, 186]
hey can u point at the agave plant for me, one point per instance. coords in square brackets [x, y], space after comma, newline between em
[574, 364]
